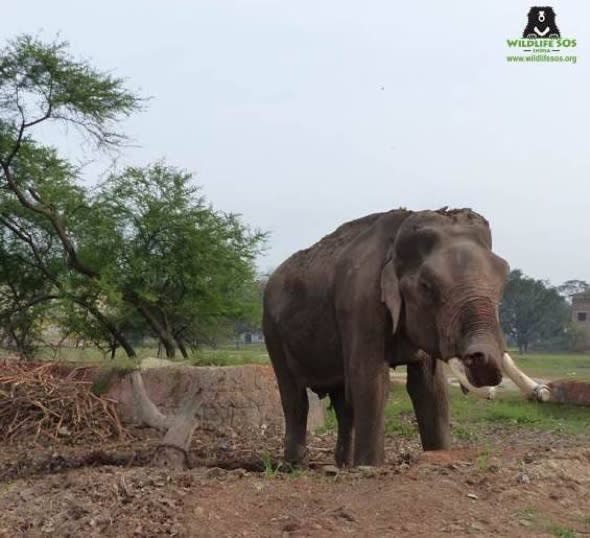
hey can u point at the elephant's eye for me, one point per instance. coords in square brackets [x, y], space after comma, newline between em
[425, 287]
[428, 290]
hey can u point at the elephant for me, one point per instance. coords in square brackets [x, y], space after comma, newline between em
[394, 288]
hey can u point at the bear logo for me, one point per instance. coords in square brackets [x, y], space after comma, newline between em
[541, 23]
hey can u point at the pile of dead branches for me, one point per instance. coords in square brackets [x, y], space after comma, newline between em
[47, 402]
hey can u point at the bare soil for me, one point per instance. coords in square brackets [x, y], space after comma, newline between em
[512, 483]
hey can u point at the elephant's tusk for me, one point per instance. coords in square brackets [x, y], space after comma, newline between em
[458, 370]
[530, 388]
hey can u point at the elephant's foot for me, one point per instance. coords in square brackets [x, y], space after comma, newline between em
[296, 455]
[343, 455]
[369, 458]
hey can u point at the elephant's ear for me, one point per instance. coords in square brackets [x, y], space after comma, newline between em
[390, 294]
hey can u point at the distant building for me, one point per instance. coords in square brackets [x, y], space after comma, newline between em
[252, 337]
[581, 310]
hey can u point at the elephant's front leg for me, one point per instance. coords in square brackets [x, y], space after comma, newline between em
[427, 387]
[369, 386]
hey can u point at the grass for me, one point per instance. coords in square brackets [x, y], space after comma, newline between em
[483, 460]
[511, 410]
[528, 514]
[554, 366]
[220, 356]
[471, 416]
[563, 532]
[270, 469]
[551, 366]
[473, 420]
[540, 522]
[231, 356]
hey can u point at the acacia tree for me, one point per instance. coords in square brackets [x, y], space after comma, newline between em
[147, 240]
[183, 265]
[196, 262]
[41, 83]
[31, 240]
[24, 297]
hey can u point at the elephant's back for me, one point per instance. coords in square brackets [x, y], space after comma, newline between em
[328, 249]
[303, 284]
[323, 254]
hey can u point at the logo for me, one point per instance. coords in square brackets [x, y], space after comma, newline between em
[541, 23]
[541, 40]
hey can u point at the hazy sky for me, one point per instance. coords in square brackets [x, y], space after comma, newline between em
[302, 115]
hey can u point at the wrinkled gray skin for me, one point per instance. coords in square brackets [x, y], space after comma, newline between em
[391, 288]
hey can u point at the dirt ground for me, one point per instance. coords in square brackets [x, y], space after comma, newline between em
[513, 483]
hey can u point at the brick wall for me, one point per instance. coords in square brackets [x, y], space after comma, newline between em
[581, 311]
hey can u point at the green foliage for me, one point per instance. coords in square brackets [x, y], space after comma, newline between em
[191, 266]
[40, 81]
[532, 312]
[144, 254]
[574, 287]
[578, 337]
[330, 423]
[39, 261]
[42, 203]
[25, 294]
[563, 532]
[24, 300]
[271, 469]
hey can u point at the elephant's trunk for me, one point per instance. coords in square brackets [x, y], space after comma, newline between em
[473, 334]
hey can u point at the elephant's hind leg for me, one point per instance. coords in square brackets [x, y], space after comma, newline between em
[343, 411]
[427, 387]
[295, 405]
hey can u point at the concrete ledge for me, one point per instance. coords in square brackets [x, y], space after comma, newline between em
[241, 398]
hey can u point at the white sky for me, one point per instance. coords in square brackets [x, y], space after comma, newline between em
[302, 115]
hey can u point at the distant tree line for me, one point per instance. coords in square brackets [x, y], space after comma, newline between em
[140, 254]
[535, 314]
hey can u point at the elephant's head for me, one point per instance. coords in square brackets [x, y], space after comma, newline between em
[442, 285]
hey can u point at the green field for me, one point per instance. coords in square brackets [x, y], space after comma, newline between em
[555, 366]
[471, 417]
[474, 419]
[552, 366]
[221, 356]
